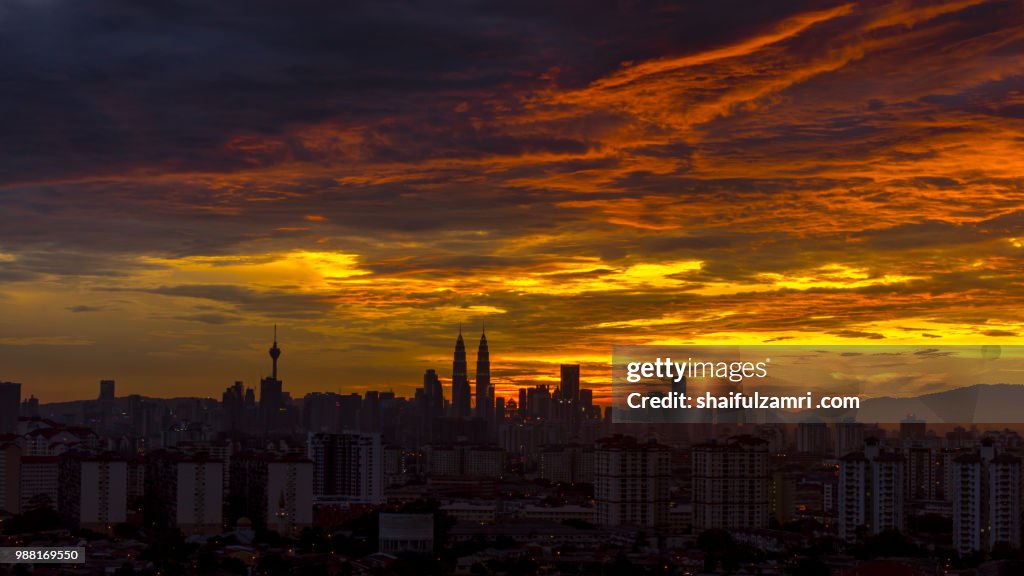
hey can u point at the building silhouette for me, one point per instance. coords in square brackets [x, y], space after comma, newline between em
[434, 394]
[107, 390]
[460, 381]
[272, 411]
[569, 383]
[233, 406]
[10, 404]
[484, 390]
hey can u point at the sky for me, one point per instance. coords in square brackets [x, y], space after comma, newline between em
[177, 178]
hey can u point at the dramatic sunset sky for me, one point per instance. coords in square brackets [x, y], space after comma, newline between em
[175, 178]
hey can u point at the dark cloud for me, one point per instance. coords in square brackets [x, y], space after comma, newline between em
[272, 303]
[999, 333]
[857, 334]
[35, 264]
[209, 318]
[121, 84]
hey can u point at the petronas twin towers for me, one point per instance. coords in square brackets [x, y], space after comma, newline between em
[461, 395]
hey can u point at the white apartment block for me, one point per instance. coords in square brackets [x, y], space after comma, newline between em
[986, 501]
[199, 497]
[289, 496]
[94, 491]
[872, 489]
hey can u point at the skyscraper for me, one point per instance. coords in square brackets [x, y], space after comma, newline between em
[434, 394]
[275, 353]
[484, 391]
[499, 410]
[10, 404]
[233, 405]
[570, 383]
[106, 390]
[460, 381]
[271, 409]
[569, 393]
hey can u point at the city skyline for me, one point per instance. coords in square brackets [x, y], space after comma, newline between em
[817, 173]
[469, 384]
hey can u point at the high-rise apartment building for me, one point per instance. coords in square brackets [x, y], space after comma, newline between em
[188, 492]
[566, 463]
[93, 491]
[347, 466]
[986, 500]
[274, 491]
[631, 482]
[872, 489]
[731, 484]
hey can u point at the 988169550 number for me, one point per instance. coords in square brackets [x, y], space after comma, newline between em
[42, 555]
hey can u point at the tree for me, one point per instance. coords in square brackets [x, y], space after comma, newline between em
[234, 566]
[719, 548]
[313, 540]
[1012, 568]
[889, 544]
[621, 566]
[126, 531]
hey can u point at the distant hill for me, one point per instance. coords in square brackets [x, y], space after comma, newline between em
[981, 403]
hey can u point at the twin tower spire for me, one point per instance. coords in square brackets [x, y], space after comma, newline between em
[461, 395]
